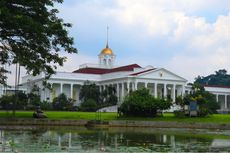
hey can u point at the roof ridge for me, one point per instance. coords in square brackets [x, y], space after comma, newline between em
[142, 71]
[92, 70]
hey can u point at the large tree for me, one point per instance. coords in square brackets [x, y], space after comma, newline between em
[142, 103]
[32, 35]
[219, 78]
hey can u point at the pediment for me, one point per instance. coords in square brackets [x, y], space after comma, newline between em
[161, 74]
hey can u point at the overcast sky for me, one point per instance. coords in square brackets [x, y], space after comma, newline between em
[187, 37]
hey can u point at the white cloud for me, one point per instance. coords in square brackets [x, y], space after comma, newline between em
[206, 45]
[75, 60]
[197, 46]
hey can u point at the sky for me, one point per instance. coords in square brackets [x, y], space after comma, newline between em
[187, 37]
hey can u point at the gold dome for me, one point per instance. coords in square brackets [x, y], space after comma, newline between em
[107, 51]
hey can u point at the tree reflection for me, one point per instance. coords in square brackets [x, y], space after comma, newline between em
[110, 140]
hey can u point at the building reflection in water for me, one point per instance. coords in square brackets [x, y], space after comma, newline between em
[105, 140]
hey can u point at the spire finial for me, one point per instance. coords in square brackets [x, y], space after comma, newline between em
[107, 42]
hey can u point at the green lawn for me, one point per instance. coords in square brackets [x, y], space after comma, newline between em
[216, 118]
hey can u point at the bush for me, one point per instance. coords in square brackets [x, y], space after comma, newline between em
[141, 103]
[6, 102]
[33, 99]
[106, 97]
[45, 105]
[205, 100]
[62, 103]
[179, 113]
[20, 101]
[89, 105]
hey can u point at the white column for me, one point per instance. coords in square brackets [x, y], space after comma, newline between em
[217, 98]
[183, 91]
[136, 85]
[128, 87]
[78, 93]
[61, 88]
[133, 86]
[225, 102]
[174, 93]
[146, 85]
[155, 90]
[118, 97]
[122, 91]
[165, 91]
[71, 91]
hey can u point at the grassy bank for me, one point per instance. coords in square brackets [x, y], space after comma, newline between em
[216, 118]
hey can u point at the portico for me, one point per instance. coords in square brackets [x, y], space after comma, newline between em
[222, 95]
[168, 86]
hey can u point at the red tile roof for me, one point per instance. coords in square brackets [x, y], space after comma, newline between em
[89, 70]
[142, 72]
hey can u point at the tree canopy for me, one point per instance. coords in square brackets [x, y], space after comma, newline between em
[205, 100]
[32, 35]
[93, 98]
[219, 78]
[142, 103]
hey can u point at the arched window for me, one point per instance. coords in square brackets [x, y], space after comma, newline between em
[110, 61]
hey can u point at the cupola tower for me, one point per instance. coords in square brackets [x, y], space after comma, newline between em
[106, 57]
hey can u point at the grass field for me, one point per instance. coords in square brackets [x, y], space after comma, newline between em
[216, 118]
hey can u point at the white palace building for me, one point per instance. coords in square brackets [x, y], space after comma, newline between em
[160, 81]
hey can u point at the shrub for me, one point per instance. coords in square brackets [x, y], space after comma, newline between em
[89, 105]
[20, 101]
[205, 100]
[179, 113]
[106, 97]
[33, 99]
[141, 103]
[45, 105]
[62, 103]
[6, 102]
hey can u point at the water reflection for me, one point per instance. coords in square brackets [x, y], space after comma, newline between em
[80, 139]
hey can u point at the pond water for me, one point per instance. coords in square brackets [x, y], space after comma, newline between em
[81, 139]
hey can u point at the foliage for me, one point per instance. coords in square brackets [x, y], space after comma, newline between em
[6, 102]
[33, 99]
[108, 95]
[141, 103]
[89, 105]
[45, 105]
[20, 98]
[31, 34]
[180, 101]
[206, 101]
[219, 78]
[179, 113]
[62, 103]
[90, 91]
